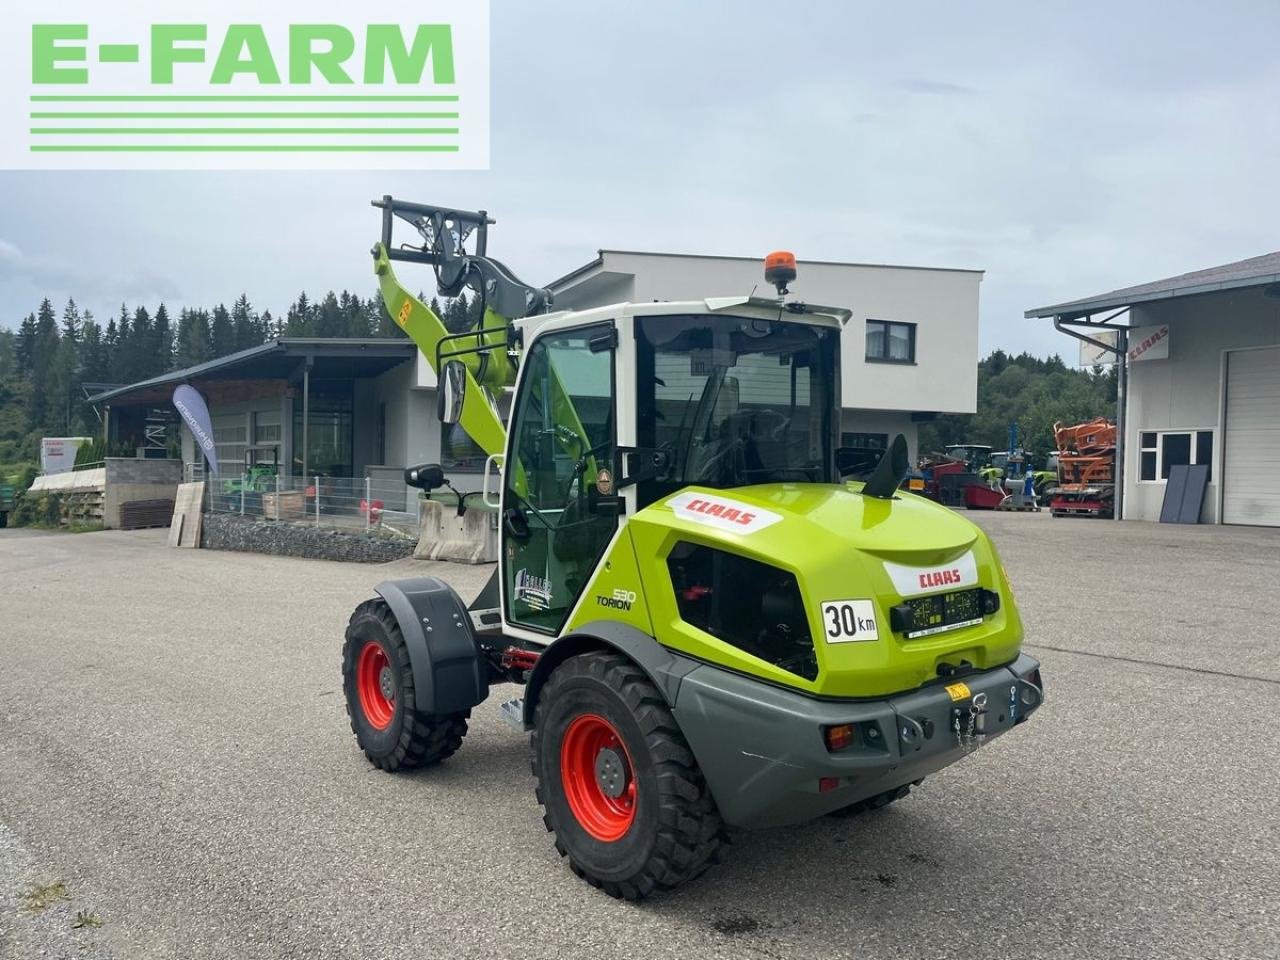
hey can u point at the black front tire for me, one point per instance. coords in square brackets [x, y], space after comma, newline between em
[676, 830]
[411, 738]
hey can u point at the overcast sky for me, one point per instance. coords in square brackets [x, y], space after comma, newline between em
[1065, 149]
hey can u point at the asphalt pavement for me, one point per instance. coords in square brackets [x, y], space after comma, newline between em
[174, 751]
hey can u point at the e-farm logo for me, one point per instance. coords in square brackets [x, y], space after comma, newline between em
[245, 84]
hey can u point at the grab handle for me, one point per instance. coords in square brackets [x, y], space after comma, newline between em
[496, 459]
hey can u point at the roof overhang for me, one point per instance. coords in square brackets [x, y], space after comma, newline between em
[1257, 272]
[274, 362]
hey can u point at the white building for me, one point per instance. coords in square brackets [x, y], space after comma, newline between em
[1203, 385]
[909, 353]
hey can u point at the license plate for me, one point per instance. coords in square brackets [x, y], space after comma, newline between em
[944, 611]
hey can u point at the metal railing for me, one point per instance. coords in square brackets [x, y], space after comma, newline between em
[353, 504]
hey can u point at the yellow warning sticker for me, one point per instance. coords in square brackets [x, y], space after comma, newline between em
[404, 312]
[959, 691]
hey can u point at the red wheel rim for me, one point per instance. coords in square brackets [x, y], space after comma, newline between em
[598, 778]
[375, 686]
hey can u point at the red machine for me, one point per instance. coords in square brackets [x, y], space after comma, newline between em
[1086, 469]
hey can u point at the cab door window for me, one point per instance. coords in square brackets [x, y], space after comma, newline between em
[562, 437]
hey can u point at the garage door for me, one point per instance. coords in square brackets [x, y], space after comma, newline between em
[1251, 448]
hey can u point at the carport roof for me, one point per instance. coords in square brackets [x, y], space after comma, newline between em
[277, 360]
[1256, 271]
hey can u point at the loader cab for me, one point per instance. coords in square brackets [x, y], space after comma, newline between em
[619, 407]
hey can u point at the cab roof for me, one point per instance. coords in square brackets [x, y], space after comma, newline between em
[770, 308]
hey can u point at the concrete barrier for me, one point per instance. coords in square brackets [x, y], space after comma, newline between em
[471, 538]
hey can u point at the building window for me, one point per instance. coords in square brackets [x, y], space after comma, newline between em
[865, 441]
[330, 430]
[229, 443]
[889, 342]
[1161, 450]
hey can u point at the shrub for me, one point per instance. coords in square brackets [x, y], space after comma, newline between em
[37, 510]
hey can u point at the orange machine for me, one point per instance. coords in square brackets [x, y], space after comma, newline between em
[1086, 469]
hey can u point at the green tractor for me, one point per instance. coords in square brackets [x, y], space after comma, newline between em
[706, 624]
[8, 500]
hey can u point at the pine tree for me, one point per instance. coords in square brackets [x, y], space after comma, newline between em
[71, 322]
[457, 315]
[24, 347]
[298, 322]
[193, 339]
[43, 366]
[118, 334]
[161, 357]
[221, 333]
[329, 317]
[8, 358]
[245, 324]
[93, 357]
[139, 348]
[270, 327]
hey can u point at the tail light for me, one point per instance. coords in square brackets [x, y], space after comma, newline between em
[840, 737]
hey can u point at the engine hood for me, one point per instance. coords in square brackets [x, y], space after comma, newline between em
[843, 549]
[821, 522]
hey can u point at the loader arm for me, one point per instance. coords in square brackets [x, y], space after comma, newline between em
[479, 420]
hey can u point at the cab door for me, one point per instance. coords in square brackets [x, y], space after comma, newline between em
[557, 475]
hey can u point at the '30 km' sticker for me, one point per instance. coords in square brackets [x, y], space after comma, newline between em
[847, 621]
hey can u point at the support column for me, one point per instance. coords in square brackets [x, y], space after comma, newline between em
[306, 417]
[1122, 424]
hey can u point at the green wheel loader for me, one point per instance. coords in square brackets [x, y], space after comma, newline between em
[711, 627]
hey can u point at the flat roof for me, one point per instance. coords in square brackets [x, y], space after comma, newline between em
[1253, 272]
[604, 252]
[278, 359]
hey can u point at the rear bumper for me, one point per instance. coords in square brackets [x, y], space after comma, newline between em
[762, 750]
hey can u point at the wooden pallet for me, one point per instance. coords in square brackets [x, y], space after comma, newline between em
[82, 507]
[145, 514]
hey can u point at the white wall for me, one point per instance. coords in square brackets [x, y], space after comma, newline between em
[413, 430]
[942, 303]
[1184, 392]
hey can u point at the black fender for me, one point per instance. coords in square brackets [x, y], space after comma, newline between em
[449, 675]
[664, 667]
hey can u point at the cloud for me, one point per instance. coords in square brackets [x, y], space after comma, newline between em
[937, 87]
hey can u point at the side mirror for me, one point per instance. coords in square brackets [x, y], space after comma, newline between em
[451, 392]
[425, 476]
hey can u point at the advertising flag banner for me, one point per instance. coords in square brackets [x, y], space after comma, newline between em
[195, 413]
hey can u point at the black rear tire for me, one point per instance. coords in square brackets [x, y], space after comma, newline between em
[675, 831]
[410, 738]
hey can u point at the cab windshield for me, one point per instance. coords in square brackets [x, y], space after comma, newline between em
[731, 401]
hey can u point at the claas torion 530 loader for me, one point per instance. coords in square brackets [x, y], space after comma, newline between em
[711, 627]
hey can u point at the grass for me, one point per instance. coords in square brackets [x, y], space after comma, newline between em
[81, 527]
[86, 918]
[41, 896]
